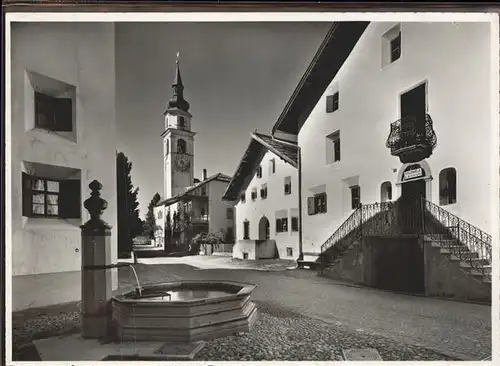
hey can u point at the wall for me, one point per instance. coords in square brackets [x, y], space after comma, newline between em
[217, 214]
[276, 200]
[83, 55]
[459, 107]
[245, 246]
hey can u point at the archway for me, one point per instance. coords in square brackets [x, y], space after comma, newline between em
[264, 229]
[414, 180]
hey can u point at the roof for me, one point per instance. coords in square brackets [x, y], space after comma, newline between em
[219, 177]
[257, 148]
[326, 63]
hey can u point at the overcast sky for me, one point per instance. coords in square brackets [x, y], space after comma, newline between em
[237, 78]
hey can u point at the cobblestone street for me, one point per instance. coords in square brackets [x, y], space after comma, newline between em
[460, 330]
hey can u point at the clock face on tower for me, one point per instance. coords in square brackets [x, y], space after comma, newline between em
[182, 162]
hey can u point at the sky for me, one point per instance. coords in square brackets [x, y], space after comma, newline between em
[237, 78]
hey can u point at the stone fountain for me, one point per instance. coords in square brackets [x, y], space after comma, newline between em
[142, 324]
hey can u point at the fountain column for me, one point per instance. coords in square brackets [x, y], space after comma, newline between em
[96, 268]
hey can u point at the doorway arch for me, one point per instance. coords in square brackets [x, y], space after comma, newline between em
[415, 179]
[264, 228]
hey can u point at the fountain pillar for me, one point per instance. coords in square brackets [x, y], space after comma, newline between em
[96, 268]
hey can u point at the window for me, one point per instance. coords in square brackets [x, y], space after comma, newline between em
[243, 197]
[246, 230]
[316, 204]
[182, 122]
[259, 172]
[289, 252]
[50, 197]
[282, 225]
[332, 102]
[272, 166]
[448, 186]
[229, 213]
[202, 211]
[254, 194]
[386, 192]
[53, 114]
[295, 224]
[333, 148]
[204, 191]
[181, 146]
[355, 197]
[263, 191]
[288, 185]
[395, 46]
[391, 46]
[245, 255]
[160, 215]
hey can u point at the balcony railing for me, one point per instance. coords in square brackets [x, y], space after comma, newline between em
[412, 139]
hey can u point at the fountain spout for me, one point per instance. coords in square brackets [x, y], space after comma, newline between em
[139, 289]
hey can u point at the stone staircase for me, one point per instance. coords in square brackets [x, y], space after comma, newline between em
[478, 268]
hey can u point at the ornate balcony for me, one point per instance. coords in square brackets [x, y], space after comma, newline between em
[412, 140]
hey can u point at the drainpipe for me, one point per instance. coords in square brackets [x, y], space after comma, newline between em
[301, 254]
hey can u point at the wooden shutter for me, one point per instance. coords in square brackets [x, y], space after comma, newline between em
[27, 195]
[70, 199]
[63, 114]
[310, 206]
[278, 225]
[324, 202]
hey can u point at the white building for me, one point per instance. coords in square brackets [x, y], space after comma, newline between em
[196, 203]
[411, 104]
[265, 192]
[63, 137]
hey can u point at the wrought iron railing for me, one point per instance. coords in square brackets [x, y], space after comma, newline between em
[460, 237]
[414, 217]
[404, 133]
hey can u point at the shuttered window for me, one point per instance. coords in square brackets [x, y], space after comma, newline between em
[51, 198]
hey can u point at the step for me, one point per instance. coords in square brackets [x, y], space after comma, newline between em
[479, 272]
[477, 262]
[462, 254]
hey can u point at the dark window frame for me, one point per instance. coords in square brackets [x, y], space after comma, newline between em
[332, 102]
[395, 48]
[355, 198]
[272, 162]
[181, 146]
[288, 186]
[448, 193]
[68, 197]
[57, 112]
[289, 251]
[294, 223]
[259, 171]
[243, 197]
[229, 213]
[246, 230]
[263, 192]
[282, 225]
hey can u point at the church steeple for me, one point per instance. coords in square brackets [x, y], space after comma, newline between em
[177, 100]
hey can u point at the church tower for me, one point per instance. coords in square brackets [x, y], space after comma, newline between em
[178, 141]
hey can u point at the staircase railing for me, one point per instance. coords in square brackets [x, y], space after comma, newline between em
[414, 217]
[461, 233]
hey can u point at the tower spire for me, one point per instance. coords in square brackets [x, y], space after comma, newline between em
[177, 100]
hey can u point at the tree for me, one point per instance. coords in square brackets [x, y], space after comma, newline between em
[207, 238]
[129, 223]
[150, 222]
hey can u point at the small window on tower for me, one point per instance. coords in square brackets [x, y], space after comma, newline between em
[182, 122]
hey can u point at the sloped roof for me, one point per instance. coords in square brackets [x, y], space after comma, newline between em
[219, 176]
[257, 148]
[326, 63]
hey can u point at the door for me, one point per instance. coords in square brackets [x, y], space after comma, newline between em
[413, 108]
[409, 210]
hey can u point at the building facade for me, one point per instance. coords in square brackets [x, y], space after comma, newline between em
[391, 76]
[63, 137]
[265, 193]
[190, 205]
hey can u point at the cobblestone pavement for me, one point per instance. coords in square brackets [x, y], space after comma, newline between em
[307, 317]
[461, 330]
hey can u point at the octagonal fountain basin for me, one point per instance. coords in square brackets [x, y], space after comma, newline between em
[184, 311]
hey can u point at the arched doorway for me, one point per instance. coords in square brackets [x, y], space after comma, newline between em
[264, 229]
[414, 181]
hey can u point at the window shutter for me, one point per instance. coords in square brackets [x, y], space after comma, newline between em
[278, 225]
[310, 206]
[63, 114]
[70, 199]
[27, 200]
[324, 203]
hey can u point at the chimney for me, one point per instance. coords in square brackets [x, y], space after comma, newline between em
[204, 175]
